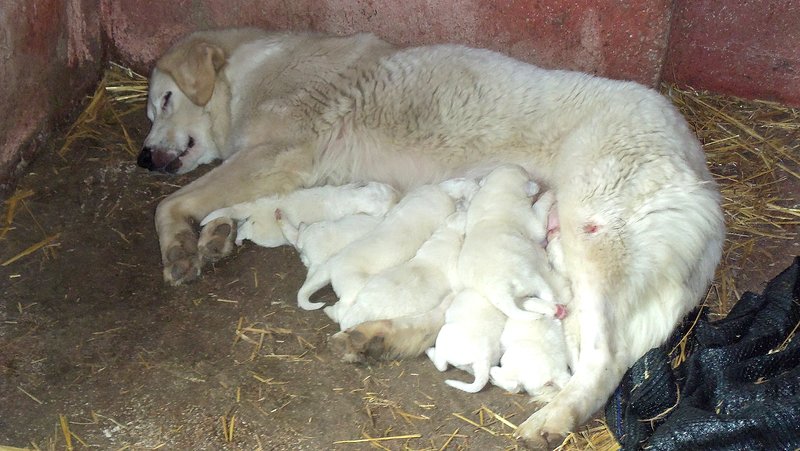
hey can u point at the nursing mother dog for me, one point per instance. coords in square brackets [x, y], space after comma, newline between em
[639, 214]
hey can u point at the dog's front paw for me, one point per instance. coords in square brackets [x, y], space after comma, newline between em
[182, 262]
[217, 239]
[546, 428]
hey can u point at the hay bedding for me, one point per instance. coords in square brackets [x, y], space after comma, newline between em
[106, 356]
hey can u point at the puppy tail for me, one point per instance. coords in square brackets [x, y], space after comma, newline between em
[314, 282]
[410, 336]
[481, 370]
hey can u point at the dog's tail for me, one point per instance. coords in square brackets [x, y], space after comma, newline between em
[481, 370]
[315, 280]
[410, 336]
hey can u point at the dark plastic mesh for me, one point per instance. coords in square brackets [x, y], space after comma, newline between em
[739, 388]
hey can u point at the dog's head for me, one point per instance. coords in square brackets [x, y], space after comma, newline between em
[181, 87]
[508, 179]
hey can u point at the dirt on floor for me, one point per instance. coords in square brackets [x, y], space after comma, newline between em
[90, 332]
[96, 351]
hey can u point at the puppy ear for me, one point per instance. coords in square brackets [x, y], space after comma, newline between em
[194, 68]
[531, 188]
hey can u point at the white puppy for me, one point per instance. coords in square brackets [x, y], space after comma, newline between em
[535, 358]
[317, 242]
[535, 355]
[462, 189]
[413, 287]
[469, 339]
[257, 222]
[395, 240]
[503, 258]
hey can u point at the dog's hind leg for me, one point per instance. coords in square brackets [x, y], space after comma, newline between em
[501, 378]
[634, 276]
[598, 258]
[333, 312]
[545, 308]
[596, 374]
[438, 359]
[533, 308]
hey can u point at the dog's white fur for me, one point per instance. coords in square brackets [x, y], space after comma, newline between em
[502, 256]
[555, 256]
[319, 241]
[257, 223]
[536, 353]
[469, 339]
[535, 358]
[416, 286]
[395, 240]
[641, 224]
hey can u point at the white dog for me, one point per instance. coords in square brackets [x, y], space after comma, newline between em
[641, 223]
[318, 242]
[395, 240]
[469, 339]
[535, 358]
[257, 223]
[536, 355]
[502, 256]
[418, 285]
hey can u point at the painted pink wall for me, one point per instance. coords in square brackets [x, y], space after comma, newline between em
[47, 48]
[619, 39]
[52, 51]
[748, 48]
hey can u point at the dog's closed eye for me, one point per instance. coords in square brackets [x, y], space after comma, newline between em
[165, 101]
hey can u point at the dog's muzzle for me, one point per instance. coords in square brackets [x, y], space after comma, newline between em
[160, 161]
[145, 159]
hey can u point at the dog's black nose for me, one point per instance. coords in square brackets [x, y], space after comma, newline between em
[145, 159]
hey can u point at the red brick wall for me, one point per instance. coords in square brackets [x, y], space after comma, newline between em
[748, 48]
[50, 56]
[620, 39]
[52, 51]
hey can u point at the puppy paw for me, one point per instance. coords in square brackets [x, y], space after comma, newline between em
[182, 262]
[217, 239]
[547, 427]
[332, 311]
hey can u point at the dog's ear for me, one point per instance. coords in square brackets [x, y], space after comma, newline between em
[531, 188]
[194, 68]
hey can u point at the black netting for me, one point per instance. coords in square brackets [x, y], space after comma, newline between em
[739, 388]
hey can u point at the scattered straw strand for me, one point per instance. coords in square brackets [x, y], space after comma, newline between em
[65, 430]
[29, 395]
[378, 439]
[31, 249]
